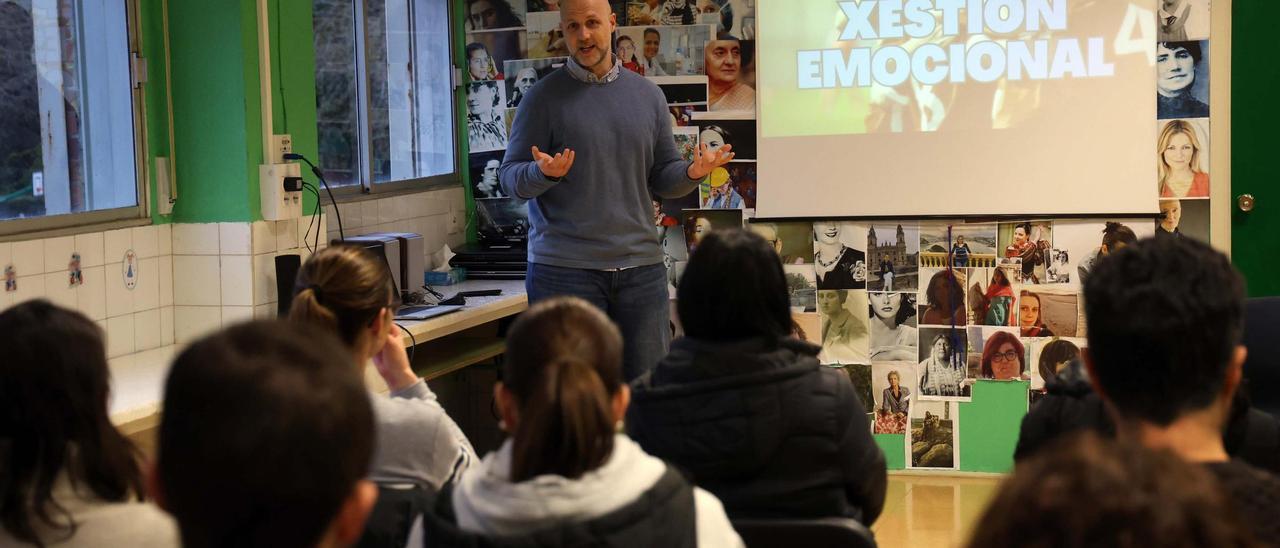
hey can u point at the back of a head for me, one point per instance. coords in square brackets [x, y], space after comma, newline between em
[734, 288]
[1086, 491]
[54, 384]
[341, 289]
[265, 431]
[564, 364]
[1164, 317]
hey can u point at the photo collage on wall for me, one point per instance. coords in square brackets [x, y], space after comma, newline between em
[915, 312]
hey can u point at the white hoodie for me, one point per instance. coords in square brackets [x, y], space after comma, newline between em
[486, 502]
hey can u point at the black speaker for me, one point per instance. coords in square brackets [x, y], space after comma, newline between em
[286, 273]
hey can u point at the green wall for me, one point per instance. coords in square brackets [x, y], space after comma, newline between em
[989, 427]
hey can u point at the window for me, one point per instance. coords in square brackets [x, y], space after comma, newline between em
[384, 97]
[70, 124]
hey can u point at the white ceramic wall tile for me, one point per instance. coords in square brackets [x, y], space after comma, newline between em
[29, 287]
[146, 241]
[146, 330]
[370, 211]
[28, 257]
[352, 216]
[265, 311]
[57, 253]
[196, 280]
[264, 278]
[120, 336]
[388, 210]
[146, 294]
[115, 243]
[237, 280]
[119, 297]
[437, 204]
[193, 322]
[59, 291]
[195, 239]
[166, 280]
[166, 326]
[324, 229]
[232, 315]
[91, 296]
[264, 236]
[416, 204]
[164, 238]
[90, 247]
[235, 238]
[6, 255]
[286, 234]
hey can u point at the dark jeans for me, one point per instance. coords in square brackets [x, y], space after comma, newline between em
[635, 299]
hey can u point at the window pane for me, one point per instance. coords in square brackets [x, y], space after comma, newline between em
[57, 155]
[410, 95]
[337, 104]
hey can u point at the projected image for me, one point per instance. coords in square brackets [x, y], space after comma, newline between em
[486, 129]
[893, 326]
[522, 74]
[792, 240]
[964, 245]
[893, 253]
[1182, 20]
[670, 50]
[730, 187]
[1029, 243]
[1183, 156]
[730, 66]
[844, 326]
[1182, 80]
[839, 255]
[484, 174]
[739, 133]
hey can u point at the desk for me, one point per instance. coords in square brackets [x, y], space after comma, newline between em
[445, 344]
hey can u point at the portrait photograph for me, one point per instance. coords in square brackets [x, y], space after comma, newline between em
[716, 133]
[486, 126]
[839, 254]
[893, 326]
[942, 301]
[942, 364]
[1048, 312]
[1182, 20]
[730, 69]
[1182, 158]
[893, 388]
[669, 50]
[1188, 218]
[1047, 358]
[484, 174]
[802, 287]
[844, 326]
[1085, 241]
[991, 295]
[683, 90]
[996, 353]
[933, 436]
[500, 46]
[893, 255]
[963, 245]
[1182, 79]
[700, 222]
[543, 37]
[1029, 242]
[686, 142]
[793, 240]
[494, 14]
[522, 74]
[732, 186]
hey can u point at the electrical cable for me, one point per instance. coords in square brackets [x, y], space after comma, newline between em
[413, 340]
[314, 215]
[342, 235]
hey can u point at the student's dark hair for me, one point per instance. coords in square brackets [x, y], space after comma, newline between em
[734, 288]
[993, 344]
[265, 432]
[1115, 233]
[906, 308]
[54, 391]
[342, 289]
[506, 15]
[941, 279]
[563, 366]
[1054, 353]
[1164, 316]
[1192, 48]
[1091, 492]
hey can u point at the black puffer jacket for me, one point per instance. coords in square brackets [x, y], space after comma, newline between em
[763, 426]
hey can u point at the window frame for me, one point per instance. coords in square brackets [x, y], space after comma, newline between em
[86, 221]
[367, 188]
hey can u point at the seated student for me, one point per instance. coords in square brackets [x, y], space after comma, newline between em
[746, 408]
[1165, 318]
[1090, 492]
[265, 436]
[346, 291]
[67, 476]
[565, 477]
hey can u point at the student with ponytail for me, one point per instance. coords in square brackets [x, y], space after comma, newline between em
[566, 477]
[347, 291]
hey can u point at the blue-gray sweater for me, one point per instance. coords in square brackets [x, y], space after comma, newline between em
[599, 215]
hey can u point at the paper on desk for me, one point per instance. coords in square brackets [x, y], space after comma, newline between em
[442, 258]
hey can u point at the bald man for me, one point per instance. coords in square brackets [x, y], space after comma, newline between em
[590, 147]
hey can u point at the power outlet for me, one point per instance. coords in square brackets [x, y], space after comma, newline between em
[280, 145]
[277, 204]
